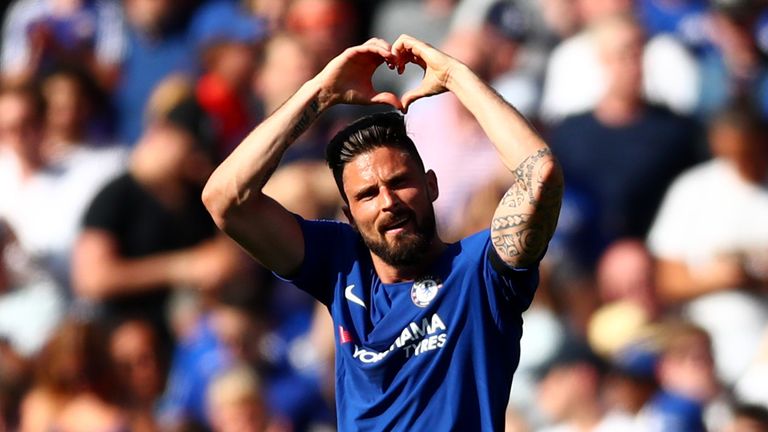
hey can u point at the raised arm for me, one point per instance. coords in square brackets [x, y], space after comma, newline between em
[233, 194]
[526, 217]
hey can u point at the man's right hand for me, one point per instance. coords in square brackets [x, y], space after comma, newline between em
[347, 78]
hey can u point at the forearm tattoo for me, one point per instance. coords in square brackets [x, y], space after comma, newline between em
[527, 214]
[307, 117]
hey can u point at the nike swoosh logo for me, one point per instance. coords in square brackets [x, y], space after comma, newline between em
[352, 297]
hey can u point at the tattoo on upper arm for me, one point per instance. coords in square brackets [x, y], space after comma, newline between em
[527, 214]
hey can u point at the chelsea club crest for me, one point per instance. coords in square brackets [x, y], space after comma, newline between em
[424, 290]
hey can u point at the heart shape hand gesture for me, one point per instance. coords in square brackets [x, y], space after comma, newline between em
[347, 78]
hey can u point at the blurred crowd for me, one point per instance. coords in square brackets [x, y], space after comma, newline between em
[122, 308]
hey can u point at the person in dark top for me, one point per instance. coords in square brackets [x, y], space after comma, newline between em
[147, 232]
[625, 152]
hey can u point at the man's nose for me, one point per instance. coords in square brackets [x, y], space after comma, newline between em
[389, 199]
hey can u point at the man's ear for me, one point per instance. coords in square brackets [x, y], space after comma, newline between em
[348, 214]
[432, 190]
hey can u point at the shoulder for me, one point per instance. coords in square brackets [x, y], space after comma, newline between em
[120, 185]
[698, 177]
[660, 113]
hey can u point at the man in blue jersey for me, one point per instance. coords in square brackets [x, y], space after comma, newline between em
[427, 333]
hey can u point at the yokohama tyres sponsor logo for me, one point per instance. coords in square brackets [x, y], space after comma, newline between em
[415, 339]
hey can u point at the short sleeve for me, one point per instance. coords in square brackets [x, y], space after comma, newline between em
[513, 284]
[329, 248]
[666, 238]
[509, 289]
[106, 211]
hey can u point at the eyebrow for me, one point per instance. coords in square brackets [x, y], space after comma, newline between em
[401, 175]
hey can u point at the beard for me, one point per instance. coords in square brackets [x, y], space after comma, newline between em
[407, 248]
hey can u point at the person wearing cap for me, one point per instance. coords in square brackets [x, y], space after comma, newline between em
[146, 232]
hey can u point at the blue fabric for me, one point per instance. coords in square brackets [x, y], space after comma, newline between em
[675, 413]
[719, 87]
[445, 364]
[196, 362]
[626, 169]
[147, 62]
[684, 19]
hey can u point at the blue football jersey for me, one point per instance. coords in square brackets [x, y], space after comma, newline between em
[435, 354]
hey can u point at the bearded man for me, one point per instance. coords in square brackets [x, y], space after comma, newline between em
[427, 333]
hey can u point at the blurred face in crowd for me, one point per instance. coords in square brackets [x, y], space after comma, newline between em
[133, 347]
[327, 27]
[19, 125]
[235, 404]
[591, 11]
[170, 153]
[272, 10]
[625, 272]
[286, 66]
[67, 108]
[565, 388]
[390, 203]
[620, 46]
[742, 145]
[148, 15]
[232, 61]
[235, 329]
[736, 41]
[687, 367]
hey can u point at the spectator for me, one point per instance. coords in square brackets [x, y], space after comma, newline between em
[626, 272]
[77, 165]
[158, 44]
[639, 148]
[74, 387]
[227, 39]
[41, 34]
[327, 27]
[286, 63]
[141, 370]
[686, 375]
[575, 81]
[147, 232]
[736, 68]
[219, 339]
[235, 402]
[570, 393]
[710, 239]
[33, 182]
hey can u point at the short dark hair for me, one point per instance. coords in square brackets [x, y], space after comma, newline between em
[365, 134]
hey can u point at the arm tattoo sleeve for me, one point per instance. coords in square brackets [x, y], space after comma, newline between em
[527, 214]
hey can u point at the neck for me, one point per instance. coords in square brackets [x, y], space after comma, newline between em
[57, 145]
[389, 273]
[618, 110]
[587, 418]
[168, 192]
[752, 170]
[29, 163]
